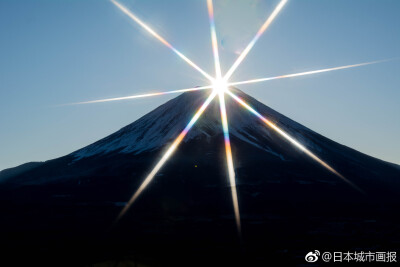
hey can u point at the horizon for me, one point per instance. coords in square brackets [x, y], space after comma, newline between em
[102, 49]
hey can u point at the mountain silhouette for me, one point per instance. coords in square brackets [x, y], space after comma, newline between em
[289, 204]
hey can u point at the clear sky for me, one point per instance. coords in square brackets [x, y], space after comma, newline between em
[55, 52]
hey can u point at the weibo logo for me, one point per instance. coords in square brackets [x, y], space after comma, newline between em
[312, 256]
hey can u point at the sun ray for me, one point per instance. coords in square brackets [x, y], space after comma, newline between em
[220, 84]
[161, 39]
[244, 53]
[220, 87]
[229, 161]
[292, 140]
[167, 154]
[292, 75]
[214, 39]
[142, 95]
[307, 73]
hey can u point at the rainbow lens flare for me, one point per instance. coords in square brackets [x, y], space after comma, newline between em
[220, 85]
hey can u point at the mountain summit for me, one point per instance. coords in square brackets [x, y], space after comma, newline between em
[162, 125]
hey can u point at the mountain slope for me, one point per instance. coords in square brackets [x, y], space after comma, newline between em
[11, 172]
[162, 125]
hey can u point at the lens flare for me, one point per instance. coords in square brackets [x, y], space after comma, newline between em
[143, 95]
[161, 39]
[220, 84]
[214, 39]
[219, 87]
[254, 40]
[229, 161]
[167, 154]
[307, 72]
[292, 140]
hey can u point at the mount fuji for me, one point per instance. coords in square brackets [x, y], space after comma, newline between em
[289, 204]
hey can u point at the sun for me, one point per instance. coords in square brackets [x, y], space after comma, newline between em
[220, 87]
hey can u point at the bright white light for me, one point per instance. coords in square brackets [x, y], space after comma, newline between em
[220, 85]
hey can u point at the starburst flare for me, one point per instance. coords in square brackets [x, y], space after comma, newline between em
[219, 86]
[217, 83]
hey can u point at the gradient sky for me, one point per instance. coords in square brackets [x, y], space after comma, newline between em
[56, 52]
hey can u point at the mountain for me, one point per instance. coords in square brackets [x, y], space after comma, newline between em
[154, 131]
[69, 203]
[11, 172]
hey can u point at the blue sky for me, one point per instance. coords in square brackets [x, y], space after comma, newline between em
[55, 52]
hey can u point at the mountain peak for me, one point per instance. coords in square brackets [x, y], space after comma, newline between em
[163, 124]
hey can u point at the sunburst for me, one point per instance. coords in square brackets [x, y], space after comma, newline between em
[219, 86]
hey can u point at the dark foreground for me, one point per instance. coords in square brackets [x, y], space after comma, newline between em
[61, 228]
